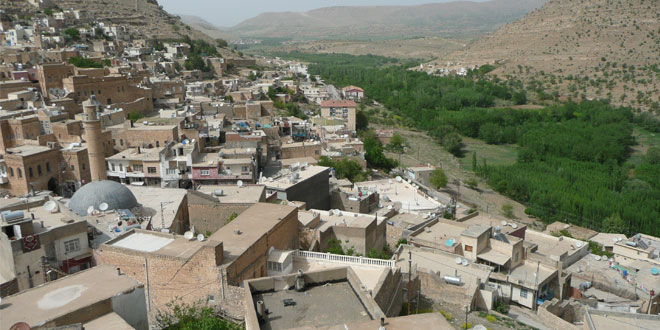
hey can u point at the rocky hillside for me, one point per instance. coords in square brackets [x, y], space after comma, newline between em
[205, 27]
[579, 48]
[453, 19]
[145, 18]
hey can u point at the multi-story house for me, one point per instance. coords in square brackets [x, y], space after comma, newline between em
[345, 110]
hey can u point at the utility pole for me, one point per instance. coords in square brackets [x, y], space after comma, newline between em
[466, 316]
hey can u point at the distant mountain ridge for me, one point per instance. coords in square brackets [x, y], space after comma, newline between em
[206, 27]
[451, 19]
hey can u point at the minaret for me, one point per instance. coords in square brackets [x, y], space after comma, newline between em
[94, 138]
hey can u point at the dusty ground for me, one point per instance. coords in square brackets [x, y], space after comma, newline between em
[418, 48]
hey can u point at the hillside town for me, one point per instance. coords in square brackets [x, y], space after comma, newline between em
[138, 174]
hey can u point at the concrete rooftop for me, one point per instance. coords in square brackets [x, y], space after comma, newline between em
[312, 307]
[61, 297]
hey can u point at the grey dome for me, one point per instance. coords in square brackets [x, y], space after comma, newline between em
[116, 195]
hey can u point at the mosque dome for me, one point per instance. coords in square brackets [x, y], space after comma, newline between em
[116, 195]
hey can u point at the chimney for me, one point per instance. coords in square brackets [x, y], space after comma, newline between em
[118, 271]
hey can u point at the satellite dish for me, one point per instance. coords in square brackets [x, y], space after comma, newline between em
[399, 179]
[578, 244]
[239, 183]
[464, 262]
[50, 206]
[20, 326]
[503, 223]
[103, 206]
[189, 235]
[616, 239]
[200, 237]
[514, 226]
[90, 210]
[597, 258]
[458, 261]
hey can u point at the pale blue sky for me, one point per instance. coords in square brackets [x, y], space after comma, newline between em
[226, 13]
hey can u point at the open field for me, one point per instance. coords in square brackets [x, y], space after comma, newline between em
[645, 140]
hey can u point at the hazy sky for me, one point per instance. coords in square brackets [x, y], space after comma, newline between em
[226, 13]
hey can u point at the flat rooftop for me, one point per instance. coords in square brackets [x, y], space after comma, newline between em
[148, 154]
[528, 275]
[27, 150]
[311, 307]
[344, 219]
[252, 224]
[64, 296]
[553, 246]
[441, 231]
[414, 321]
[158, 243]
[234, 194]
[490, 220]
[603, 320]
[281, 179]
[403, 193]
[151, 199]
[368, 276]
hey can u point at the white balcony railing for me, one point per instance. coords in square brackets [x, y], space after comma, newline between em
[345, 259]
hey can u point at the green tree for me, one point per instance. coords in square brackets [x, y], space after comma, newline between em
[519, 98]
[472, 183]
[507, 211]
[334, 247]
[81, 62]
[453, 143]
[653, 155]
[71, 34]
[48, 11]
[361, 121]
[614, 224]
[181, 316]
[438, 178]
[397, 143]
[222, 43]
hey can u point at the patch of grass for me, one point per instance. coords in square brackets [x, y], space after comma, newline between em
[494, 154]
[491, 318]
[645, 139]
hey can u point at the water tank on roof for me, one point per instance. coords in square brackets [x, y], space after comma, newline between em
[11, 216]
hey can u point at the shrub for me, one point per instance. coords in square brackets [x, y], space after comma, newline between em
[491, 318]
[466, 326]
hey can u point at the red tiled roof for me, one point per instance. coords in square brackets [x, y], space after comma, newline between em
[338, 104]
[352, 88]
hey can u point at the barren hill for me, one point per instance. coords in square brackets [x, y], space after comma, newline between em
[453, 19]
[144, 18]
[204, 26]
[579, 48]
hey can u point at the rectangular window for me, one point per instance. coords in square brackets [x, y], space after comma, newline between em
[468, 248]
[244, 168]
[72, 245]
[48, 167]
[121, 167]
[113, 167]
[38, 169]
[171, 171]
[30, 171]
[138, 168]
[205, 172]
[73, 168]
[151, 170]
[20, 173]
[523, 293]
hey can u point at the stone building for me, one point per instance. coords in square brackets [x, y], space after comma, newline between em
[117, 90]
[301, 150]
